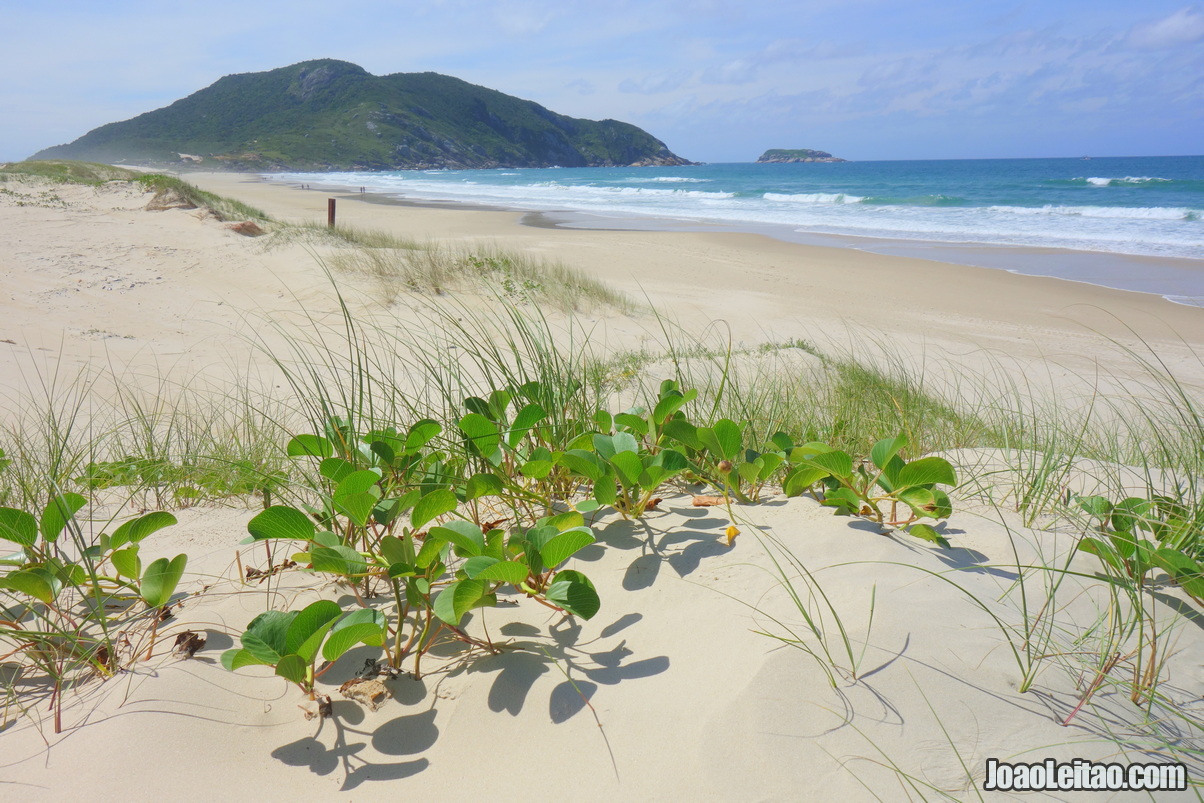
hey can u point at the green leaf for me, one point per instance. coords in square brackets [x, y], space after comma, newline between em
[481, 485]
[458, 599]
[541, 534]
[843, 499]
[481, 433]
[356, 483]
[1105, 552]
[926, 471]
[310, 446]
[564, 521]
[335, 469]
[837, 463]
[327, 538]
[922, 501]
[685, 433]
[1130, 513]
[37, 583]
[670, 403]
[503, 571]
[723, 440]
[808, 450]
[672, 461]
[536, 469]
[420, 434]
[160, 579]
[339, 559]
[563, 546]
[1177, 565]
[135, 530]
[238, 658]
[342, 640]
[802, 478]
[366, 626]
[431, 506]
[885, 449]
[357, 507]
[607, 446]
[578, 598]
[526, 418]
[628, 467]
[466, 536]
[584, 464]
[769, 463]
[282, 521]
[632, 423]
[18, 526]
[127, 563]
[293, 668]
[928, 533]
[393, 550]
[357, 495]
[310, 626]
[58, 512]
[267, 635]
[429, 552]
[1096, 506]
[605, 491]
[474, 565]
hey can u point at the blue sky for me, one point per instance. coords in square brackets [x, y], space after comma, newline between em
[717, 80]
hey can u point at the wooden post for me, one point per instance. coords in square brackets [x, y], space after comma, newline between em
[330, 212]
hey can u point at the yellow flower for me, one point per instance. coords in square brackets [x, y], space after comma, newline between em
[731, 532]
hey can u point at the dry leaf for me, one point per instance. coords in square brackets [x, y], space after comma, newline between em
[709, 501]
[187, 644]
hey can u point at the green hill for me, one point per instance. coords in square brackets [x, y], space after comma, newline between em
[332, 115]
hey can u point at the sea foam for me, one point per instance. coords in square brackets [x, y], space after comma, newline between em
[814, 198]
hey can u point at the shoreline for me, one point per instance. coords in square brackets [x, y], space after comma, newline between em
[222, 348]
[758, 288]
[1025, 260]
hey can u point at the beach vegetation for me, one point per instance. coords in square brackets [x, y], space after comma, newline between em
[222, 208]
[291, 641]
[435, 269]
[861, 488]
[449, 462]
[70, 598]
[69, 171]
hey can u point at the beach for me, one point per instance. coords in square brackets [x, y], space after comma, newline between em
[700, 677]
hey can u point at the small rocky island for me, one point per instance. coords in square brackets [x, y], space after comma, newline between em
[799, 155]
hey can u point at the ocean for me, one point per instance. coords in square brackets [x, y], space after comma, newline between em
[1134, 223]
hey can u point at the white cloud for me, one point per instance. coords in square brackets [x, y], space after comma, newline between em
[655, 84]
[733, 72]
[1183, 27]
[582, 86]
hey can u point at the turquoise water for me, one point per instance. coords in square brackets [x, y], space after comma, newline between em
[1135, 207]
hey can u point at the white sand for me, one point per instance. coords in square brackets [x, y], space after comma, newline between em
[688, 701]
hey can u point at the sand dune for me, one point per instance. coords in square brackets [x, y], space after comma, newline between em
[689, 683]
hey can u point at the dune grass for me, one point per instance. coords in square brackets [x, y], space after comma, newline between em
[171, 445]
[69, 171]
[435, 268]
[226, 209]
